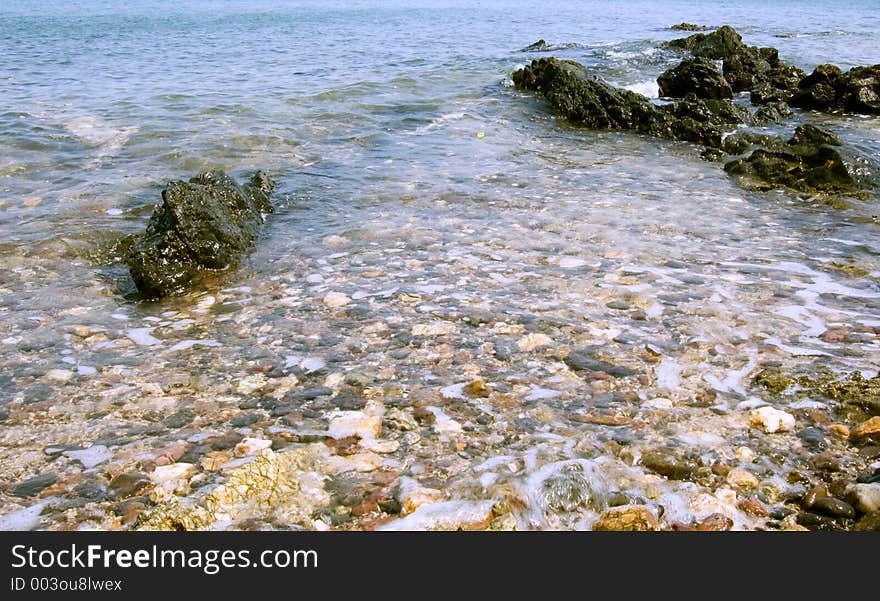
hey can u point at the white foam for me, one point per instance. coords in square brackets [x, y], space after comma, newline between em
[142, 336]
[23, 519]
[445, 515]
[649, 88]
[668, 374]
[539, 393]
[92, 456]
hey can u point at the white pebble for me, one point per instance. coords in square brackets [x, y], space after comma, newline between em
[336, 299]
[772, 420]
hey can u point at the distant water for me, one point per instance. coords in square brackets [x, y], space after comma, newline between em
[406, 163]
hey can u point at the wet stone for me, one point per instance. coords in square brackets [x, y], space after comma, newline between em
[33, 486]
[38, 393]
[813, 438]
[179, 419]
[667, 464]
[618, 304]
[814, 521]
[716, 522]
[245, 420]
[627, 519]
[833, 507]
[579, 361]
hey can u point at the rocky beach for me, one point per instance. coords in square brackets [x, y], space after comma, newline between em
[588, 284]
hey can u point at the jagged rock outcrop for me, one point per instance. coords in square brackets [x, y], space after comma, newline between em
[204, 224]
[829, 89]
[582, 98]
[694, 75]
[811, 160]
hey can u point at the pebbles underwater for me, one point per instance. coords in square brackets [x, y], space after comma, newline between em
[445, 372]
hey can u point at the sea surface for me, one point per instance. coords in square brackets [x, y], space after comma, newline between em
[434, 228]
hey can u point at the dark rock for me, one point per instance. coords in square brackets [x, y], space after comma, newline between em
[38, 393]
[585, 100]
[814, 521]
[538, 46]
[744, 67]
[829, 89]
[833, 507]
[810, 161]
[205, 224]
[772, 112]
[719, 44]
[179, 419]
[667, 464]
[579, 361]
[245, 420]
[688, 27]
[33, 486]
[813, 438]
[697, 75]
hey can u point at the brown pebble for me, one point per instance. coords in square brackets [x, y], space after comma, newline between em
[835, 335]
[477, 389]
[866, 431]
[715, 522]
[752, 507]
[814, 493]
[627, 519]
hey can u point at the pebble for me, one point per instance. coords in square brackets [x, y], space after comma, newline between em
[667, 464]
[440, 328]
[59, 375]
[715, 522]
[251, 446]
[412, 496]
[33, 486]
[627, 519]
[354, 423]
[866, 497]
[772, 420]
[569, 262]
[252, 383]
[449, 515]
[175, 471]
[336, 299]
[742, 478]
[128, 484]
[530, 342]
[833, 507]
[866, 431]
[752, 507]
[92, 456]
[618, 305]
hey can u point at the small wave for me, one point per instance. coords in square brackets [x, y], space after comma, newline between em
[649, 88]
[107, 138]
[542, 46]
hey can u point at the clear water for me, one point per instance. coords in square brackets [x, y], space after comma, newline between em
[406, 163]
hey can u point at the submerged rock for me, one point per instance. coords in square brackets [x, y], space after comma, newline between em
[810, 161]
[204, 224]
